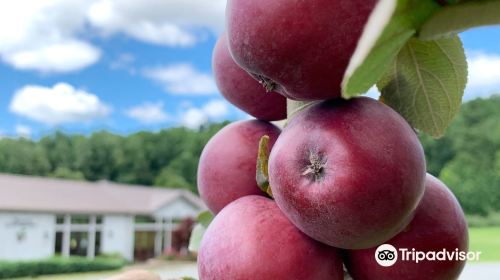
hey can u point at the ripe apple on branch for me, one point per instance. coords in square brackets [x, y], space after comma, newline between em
[346, 173]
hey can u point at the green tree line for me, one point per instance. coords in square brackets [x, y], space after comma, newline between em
[168, 158]
[467, 158]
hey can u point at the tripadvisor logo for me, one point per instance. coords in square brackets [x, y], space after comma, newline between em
[387, 255]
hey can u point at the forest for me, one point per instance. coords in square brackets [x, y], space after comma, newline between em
[467, 158]
[165, 158]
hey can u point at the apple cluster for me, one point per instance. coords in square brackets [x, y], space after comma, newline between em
[345, 175]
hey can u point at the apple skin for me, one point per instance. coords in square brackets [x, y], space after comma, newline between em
[301, 48]
[243, 91]
[348, 173]
[227, 166]
[252, 239]
[439, 223]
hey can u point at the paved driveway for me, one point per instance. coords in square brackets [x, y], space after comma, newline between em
[472, 271]
[481, 271]
[172, 270]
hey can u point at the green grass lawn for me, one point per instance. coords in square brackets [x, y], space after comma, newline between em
[487, 241]
[75, 276]
[166, 269]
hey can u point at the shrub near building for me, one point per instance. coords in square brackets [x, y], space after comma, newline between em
[58, 265]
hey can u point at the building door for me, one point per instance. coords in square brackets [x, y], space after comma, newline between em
[144, 247]
[79, 242]
[78, 235]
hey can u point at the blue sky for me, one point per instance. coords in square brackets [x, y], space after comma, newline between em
[81, 66]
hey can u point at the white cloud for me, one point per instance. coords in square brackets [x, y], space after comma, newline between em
[193, 118]
[148, 113]
[216, 108]
[23, 131]
[167, 22]
[213, 110]
[48, 35]
[182, 79]
[484, 75]
[124, 62]
[60, 104]
[59, 57]
[42, 35]
[165, 34]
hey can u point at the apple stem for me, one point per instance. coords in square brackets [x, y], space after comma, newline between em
[267, 83]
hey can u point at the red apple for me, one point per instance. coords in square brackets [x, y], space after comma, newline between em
[243, 91]
[227, 166]
[252, 239]
[348, 173]
[298, 48]
[439, 223]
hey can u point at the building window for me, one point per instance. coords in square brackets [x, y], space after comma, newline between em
[58, 243]
[98, 242]
[80, 220]
[60, 219]
[144, 220]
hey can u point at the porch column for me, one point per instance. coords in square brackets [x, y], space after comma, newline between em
[167, 242]
[91, 237]
[158, 236]
[66, 236]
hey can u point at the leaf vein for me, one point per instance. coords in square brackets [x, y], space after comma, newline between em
[422, 84]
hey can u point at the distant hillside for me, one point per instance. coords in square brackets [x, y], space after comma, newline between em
[165, 158]
[467, 159]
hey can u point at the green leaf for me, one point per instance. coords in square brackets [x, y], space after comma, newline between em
[390, 26]
[426, 82]
[293, 107]
[205, 218]
[196, 237]
[262, 175]
[456, 18]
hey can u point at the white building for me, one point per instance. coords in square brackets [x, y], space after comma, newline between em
[41, 217]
